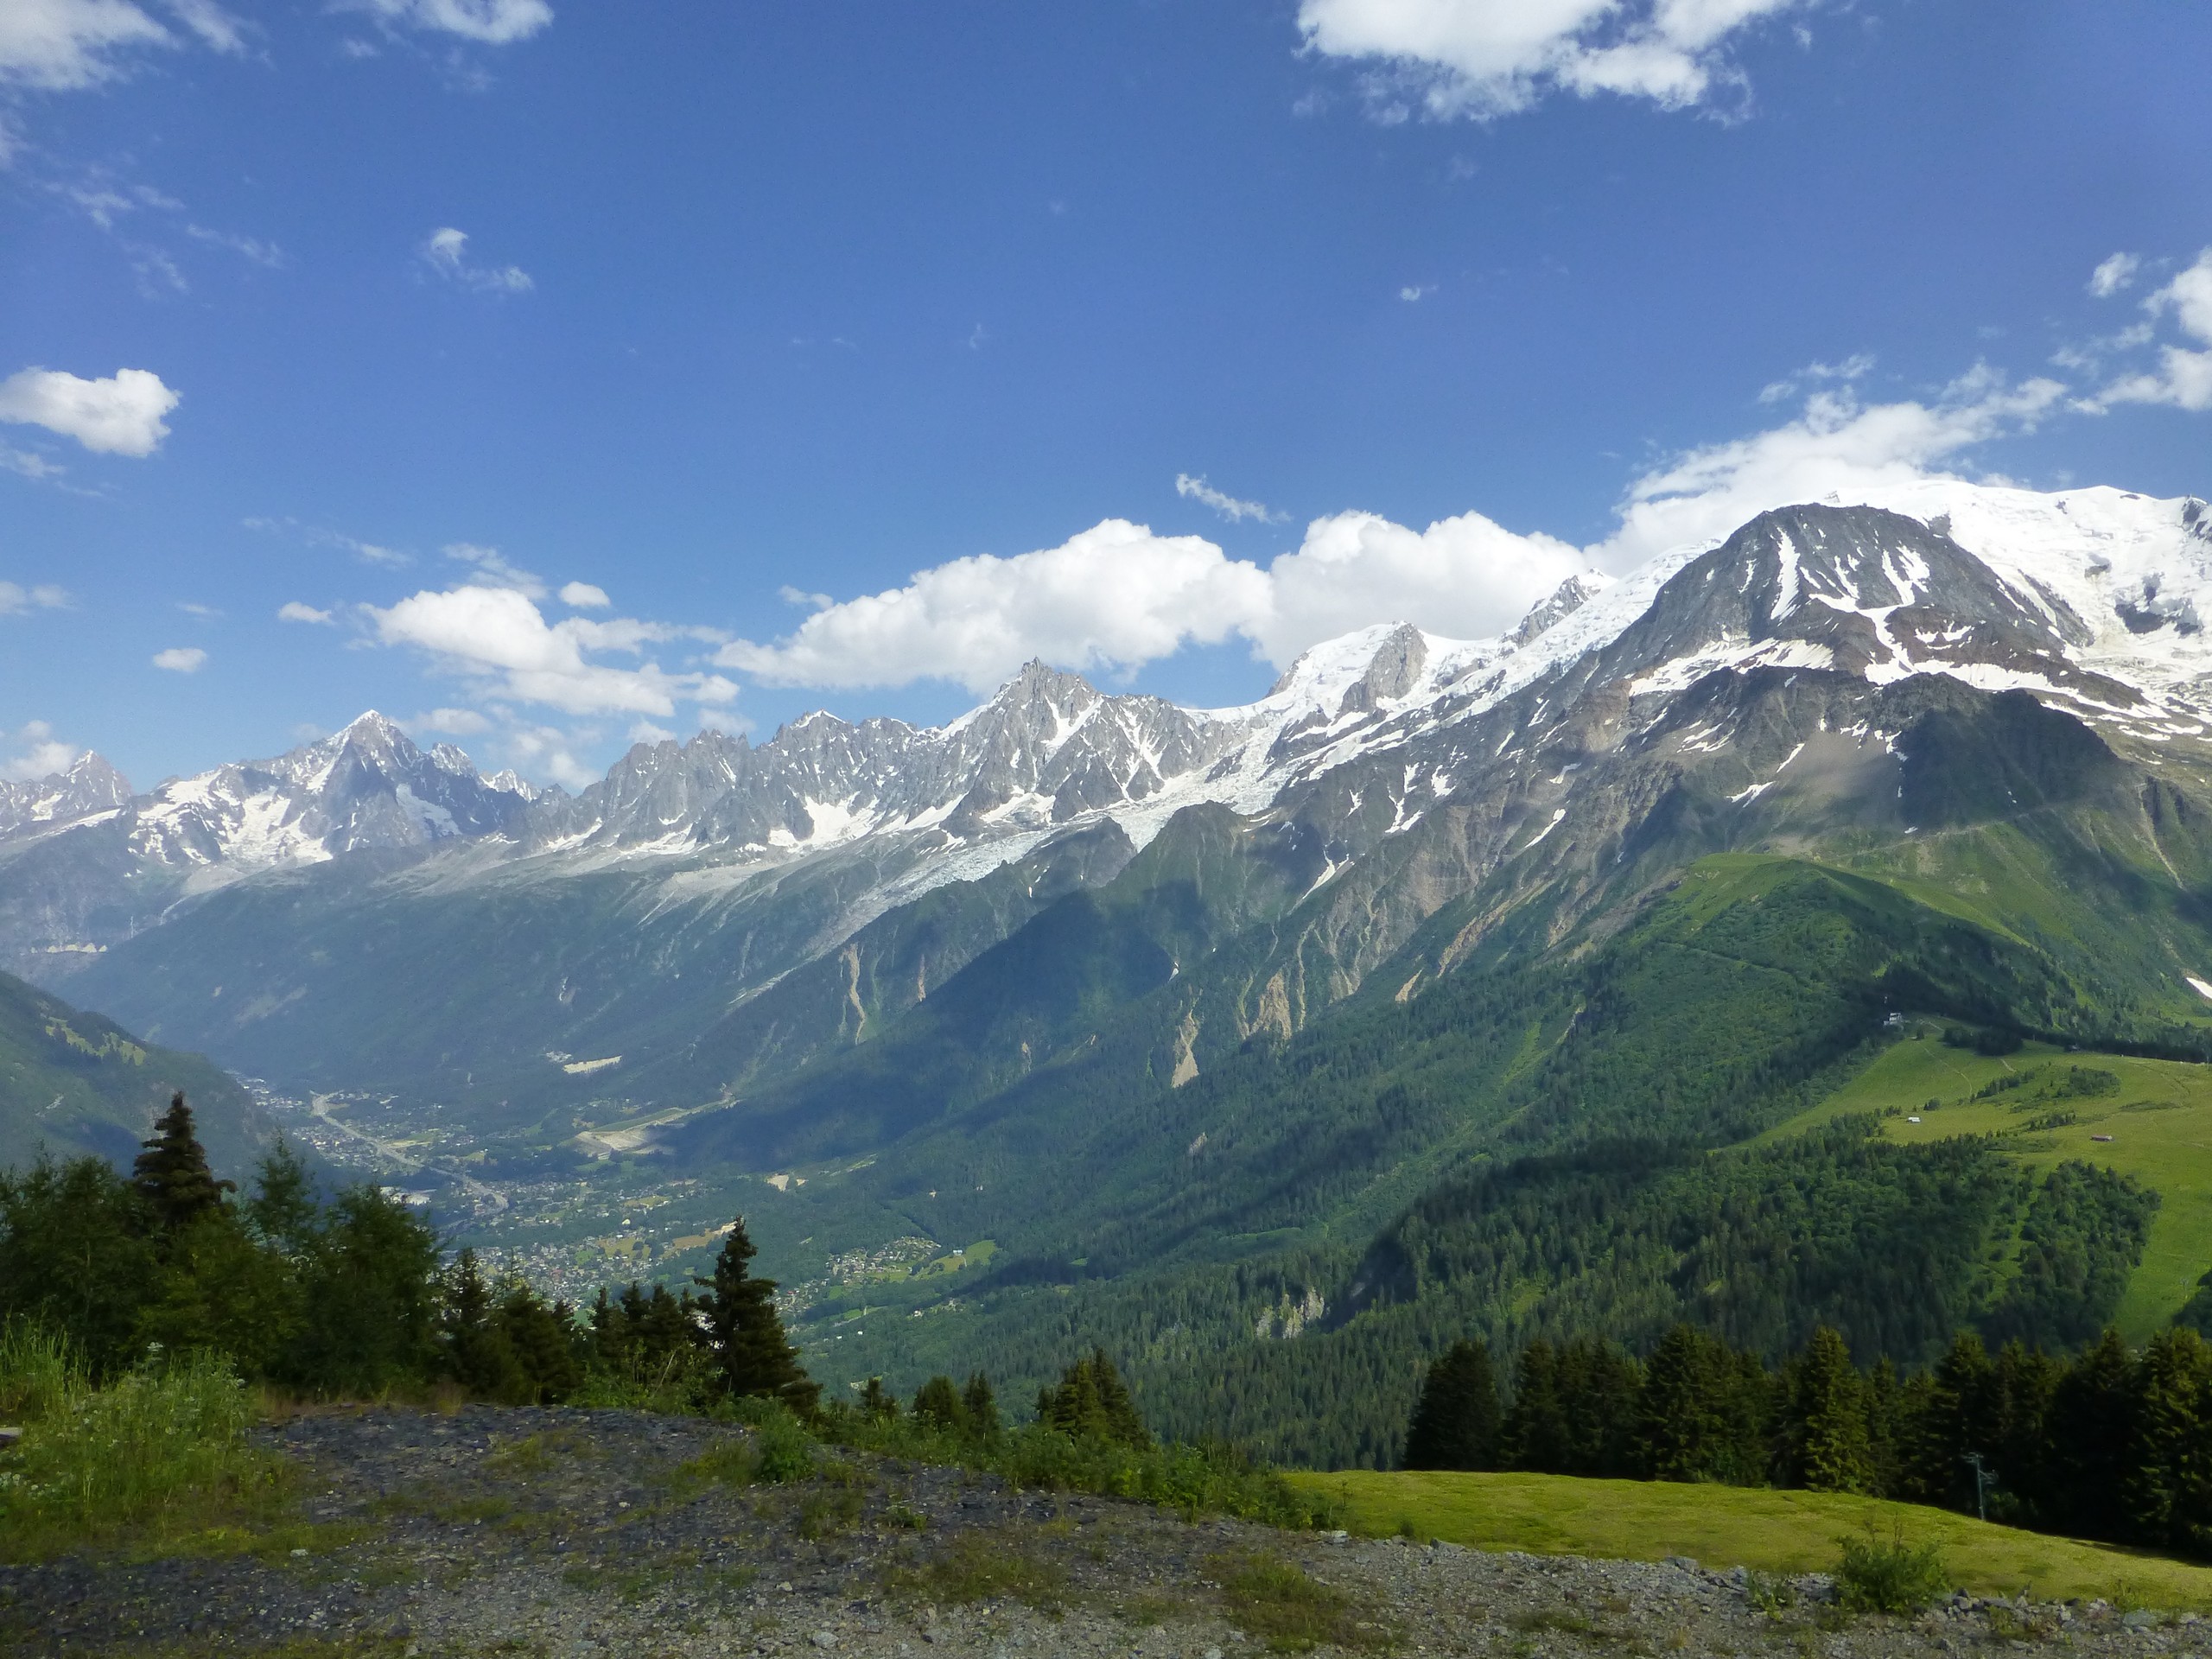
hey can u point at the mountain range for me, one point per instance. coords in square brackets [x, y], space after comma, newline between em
[1193, 1013]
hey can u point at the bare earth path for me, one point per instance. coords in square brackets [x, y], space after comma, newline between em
[557, 1533]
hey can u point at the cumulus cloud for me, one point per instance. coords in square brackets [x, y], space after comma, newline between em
[489, 23]
[1111, 598]
[15, 599]
[292, 611]
[457, 722]
[498, 638]
[1489, 57]
[2114, 274]
[583, 597]
[1836, 446]
[1197, 489]
[446, 251]
[121, 415]
[2183, 377]
[38, 754]
[1118, 596]
[181, 659]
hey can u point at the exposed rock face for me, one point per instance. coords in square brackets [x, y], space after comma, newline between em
[89, 785]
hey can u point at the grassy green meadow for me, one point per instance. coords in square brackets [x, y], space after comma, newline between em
[1766, 1530]
[2158, 1114]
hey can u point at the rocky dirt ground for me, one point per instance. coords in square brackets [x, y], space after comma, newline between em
[556, 1533]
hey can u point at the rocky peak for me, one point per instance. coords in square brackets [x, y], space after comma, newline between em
[87, 784]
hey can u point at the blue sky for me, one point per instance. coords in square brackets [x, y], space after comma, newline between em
[722, 320]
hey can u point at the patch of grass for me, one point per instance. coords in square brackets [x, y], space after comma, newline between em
[627, 1583]
[1767, 1531]
[833, 1510]
[984, 1566]
[540, 1454]
[156, 1456]
[1880, 1574]
[448, 1507]
[733, 1462]
[2162, 1135]
[1279, 1604]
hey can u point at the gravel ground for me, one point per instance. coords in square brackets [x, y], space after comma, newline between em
[555, 1533]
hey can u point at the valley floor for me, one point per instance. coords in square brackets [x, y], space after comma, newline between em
[556, 1533]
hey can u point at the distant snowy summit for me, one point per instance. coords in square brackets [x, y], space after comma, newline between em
[2092, 600]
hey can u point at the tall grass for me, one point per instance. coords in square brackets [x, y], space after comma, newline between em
[159, 1453]
[1194, 1480]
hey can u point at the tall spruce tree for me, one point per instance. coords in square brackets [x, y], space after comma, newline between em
[1826, 1442]
[1456, 1422]
[1093, 1403]
[171, 1174]
[745, 1334]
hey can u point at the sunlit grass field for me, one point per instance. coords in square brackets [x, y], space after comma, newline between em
[1722, 1527]
[2157, 1113]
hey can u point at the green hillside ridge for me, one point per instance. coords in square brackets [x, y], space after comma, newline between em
[1766, 1530]
[2157, 1114]
[74, 1082]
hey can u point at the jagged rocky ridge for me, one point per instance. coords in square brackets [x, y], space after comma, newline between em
[734, 907]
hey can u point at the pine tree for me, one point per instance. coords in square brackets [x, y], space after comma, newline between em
[937, 1404]
[1536, 1429]
[1456, 1423]
[745, 1334]
[1826, 1430]
[1093, 1403]
[2167, 1488]
[982, 1406]
[171, 1174]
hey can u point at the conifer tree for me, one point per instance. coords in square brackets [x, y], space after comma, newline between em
[1537, 1428]
[171, 1174]
[937, 1404]
[745, 1334]
[1093, 1403]
[1826, 1426]
[981, 1405]
[1456, 1422]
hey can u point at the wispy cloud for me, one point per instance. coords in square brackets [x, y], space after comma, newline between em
[446, 251]
[316, 536]
[293, 610]
[487, 23]
[1229, 506]
[16, 599]
[2114, 274]
[181, 659]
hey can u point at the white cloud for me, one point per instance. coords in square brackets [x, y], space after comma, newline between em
[25, 464]
[40, 753]
[1851, 368]
[1118, 596]
[292, 611]
[1489, 58]
[498, 638]
[643, 731]
[490, 23]
[59, 45]
[1837, 446]
[1113, 597]
[1197, 489]
[181, 659]
[1414, 293]
[15, 599]
[493, 570]
[1465, 577]
[447, 253]
[582, 596]
[2114, 274]
[2183, 378]
[120, 415]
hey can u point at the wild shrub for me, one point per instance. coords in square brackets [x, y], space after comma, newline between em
[1889, 1575]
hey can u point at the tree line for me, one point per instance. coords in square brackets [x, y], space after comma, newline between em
[352, 1295]
[2112, 1444]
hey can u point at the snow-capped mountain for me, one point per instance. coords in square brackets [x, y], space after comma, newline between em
[368, 785]
[1387, 774]
[90, 784]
